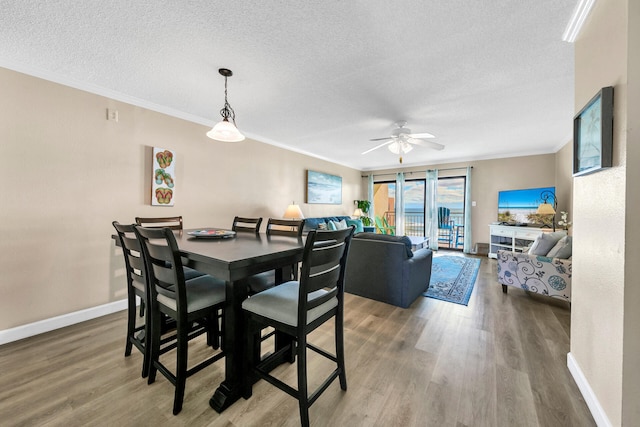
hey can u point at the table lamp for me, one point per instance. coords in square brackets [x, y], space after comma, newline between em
[293, 212]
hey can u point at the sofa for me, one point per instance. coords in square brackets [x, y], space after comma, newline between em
[383, 267]
[539, 270]
[322, 223]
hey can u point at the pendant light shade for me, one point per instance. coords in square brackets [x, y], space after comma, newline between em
[225, 130]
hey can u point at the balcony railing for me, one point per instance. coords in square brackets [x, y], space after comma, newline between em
[414, 221]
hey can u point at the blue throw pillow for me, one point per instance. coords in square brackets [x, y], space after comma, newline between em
[357, 223]
[331, 226]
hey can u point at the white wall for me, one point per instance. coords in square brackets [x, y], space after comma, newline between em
[605, 344]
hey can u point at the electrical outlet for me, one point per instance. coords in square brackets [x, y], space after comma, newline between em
[112, 114]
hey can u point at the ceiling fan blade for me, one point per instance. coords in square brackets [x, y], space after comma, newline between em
[378, 146]
[428, 144]
[381, 139]
[422, 135]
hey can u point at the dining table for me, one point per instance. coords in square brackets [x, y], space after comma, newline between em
[234, 259]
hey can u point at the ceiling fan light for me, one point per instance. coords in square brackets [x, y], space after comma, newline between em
[394, 147]
[225, 131]
[406, 147]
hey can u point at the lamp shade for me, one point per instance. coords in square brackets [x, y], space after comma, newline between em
[293, 212]
[358, 212]
[225, 131]
[546, 209]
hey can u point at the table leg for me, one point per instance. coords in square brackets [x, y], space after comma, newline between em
[230, 389]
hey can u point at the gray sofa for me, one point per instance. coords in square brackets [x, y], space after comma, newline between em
[383, 268]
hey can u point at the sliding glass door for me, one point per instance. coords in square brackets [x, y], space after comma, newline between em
[384, 204]
[450, 195]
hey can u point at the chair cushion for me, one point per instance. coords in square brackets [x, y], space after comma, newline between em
[190, 273]
[281, 304]
[388, 238]
[262, 281]
[204, 291]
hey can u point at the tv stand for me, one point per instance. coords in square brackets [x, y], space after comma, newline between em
[511, 238]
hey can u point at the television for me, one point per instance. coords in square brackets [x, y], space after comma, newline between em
[519, 207]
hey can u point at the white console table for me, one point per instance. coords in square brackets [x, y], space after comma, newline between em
[511, 238]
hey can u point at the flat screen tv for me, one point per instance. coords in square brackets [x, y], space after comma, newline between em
[518, 207]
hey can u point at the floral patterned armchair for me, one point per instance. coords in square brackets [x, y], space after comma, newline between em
[534, 273]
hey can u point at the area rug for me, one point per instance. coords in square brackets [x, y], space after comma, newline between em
[452, 278]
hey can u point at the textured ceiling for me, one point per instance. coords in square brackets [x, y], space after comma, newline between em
[488, 78]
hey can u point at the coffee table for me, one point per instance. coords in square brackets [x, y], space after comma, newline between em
[418, 242]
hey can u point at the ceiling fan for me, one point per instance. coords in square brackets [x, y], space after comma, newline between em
[401, 140]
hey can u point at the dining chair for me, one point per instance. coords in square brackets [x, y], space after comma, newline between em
[136, 287]
[297, 308]
[246, 224]
[192, 303]
[173, 223]
[276, 227]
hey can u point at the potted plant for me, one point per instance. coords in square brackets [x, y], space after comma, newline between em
[364, 206]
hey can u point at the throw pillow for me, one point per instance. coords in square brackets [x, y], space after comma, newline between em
[545, 242]
[331, 226]
[337, 225]
[562, 249]
[357, 223]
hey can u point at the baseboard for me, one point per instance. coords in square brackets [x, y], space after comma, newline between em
[599, 416]
[46, 325]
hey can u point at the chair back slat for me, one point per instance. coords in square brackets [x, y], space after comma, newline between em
[323, 265]
[134, 262]
[244, 224]
[164, 265]
[171, 222]
[285, 227]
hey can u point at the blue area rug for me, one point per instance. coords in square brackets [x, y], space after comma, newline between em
[452, 278]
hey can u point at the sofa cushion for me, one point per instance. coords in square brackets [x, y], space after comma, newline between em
[562, 249]
[388, 238]
[545, 242]
[357, 223]
[313, 223]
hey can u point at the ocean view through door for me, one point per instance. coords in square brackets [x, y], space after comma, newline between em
[450, 194]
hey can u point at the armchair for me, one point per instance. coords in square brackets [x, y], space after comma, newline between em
[535, 273]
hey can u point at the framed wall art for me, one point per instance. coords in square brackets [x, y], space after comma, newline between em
[323, 188]
[163, 181]
[593, 134]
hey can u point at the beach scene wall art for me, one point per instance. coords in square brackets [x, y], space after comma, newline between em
[324, 188]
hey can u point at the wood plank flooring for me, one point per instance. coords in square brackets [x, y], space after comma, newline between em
[500, 361]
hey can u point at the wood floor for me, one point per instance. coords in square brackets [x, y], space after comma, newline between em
[500, 361]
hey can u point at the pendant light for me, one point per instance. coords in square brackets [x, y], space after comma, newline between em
[226, 130]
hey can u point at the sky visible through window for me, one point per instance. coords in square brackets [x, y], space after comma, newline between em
[450, 194]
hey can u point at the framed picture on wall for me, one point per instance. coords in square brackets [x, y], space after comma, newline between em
[324, 188]
[593, 134]
[163, 180]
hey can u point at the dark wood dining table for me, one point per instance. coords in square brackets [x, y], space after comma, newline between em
[234, 260]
